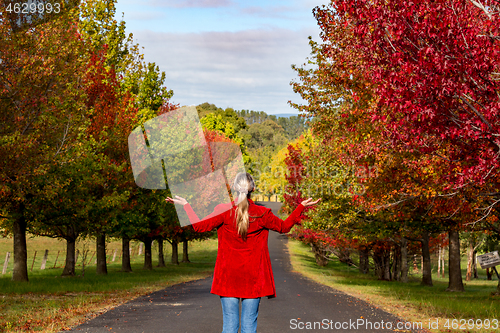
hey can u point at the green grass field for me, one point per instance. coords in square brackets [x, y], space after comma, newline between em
[57, 252]
[409, 301]
[50, 303]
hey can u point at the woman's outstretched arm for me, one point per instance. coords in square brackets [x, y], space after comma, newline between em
[271, 221]
[208, 223]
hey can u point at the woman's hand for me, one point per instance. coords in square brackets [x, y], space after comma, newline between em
[309, 202]
[178, 200]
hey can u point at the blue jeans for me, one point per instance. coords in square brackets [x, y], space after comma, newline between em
[231, 314]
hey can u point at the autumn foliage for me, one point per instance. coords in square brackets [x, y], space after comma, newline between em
[410, 90]
[433, 66]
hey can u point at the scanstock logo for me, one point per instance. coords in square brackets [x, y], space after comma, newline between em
[170, 152]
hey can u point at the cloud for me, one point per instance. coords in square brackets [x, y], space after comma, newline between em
[248, 69]
[273, 12]
[191, 3]
[145, 16]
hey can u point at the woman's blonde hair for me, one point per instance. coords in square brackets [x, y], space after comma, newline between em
[244, 186]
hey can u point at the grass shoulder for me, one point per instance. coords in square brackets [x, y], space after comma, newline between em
[409, 301]
[51, 303]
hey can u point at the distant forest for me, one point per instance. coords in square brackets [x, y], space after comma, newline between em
[262, 134]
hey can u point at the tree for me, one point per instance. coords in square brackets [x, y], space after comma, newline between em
[228, 115]
[112, 114]
[361, 89]
[455, 106]
[70, 195]
[41, 107]
[272, 180]
[473, 240]
[123, 93]
[99, 27]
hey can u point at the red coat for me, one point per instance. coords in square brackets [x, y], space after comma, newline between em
[243, 268]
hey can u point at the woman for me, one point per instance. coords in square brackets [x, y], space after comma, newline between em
[243, 268]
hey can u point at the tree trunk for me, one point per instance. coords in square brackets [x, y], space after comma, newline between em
[126, 254]
[101, 254]
[426, 262]
[396, 263]
[185, 255]
[364, 263]
[20, 272]
[470, 255]
[175, 253]
[439, 261]
[148, 262]
[319, 255]
[379, 264]
[344, 256]
[69, 266]
[443, 255]
[404, 260]
[161, 257]
[387, 265]
[474, 265]
[454, 271]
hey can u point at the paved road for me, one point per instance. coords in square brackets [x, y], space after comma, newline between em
[300, 303]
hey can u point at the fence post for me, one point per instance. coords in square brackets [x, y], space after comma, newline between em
[33, 262]
[93, 254]
[55, 262]
[45, 257]
[6, 263]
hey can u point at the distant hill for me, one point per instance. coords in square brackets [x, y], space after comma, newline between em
[284, 115]
[263, 135]
[257, 128]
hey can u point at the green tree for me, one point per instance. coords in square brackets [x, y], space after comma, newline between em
[41, 112]
[124, 93]
[228, 115]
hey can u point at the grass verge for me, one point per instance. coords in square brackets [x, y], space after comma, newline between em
[410, 301]
[50, 303]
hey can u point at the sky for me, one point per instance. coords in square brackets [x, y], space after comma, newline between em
[231, 53]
